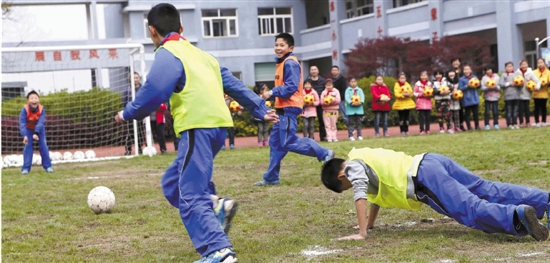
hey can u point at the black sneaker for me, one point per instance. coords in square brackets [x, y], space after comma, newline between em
[128, 153]
[162, 151]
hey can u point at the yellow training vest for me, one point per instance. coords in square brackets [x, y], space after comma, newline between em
[200, 104]
[392, 169]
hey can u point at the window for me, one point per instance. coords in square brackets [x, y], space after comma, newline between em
[349, 9]
[272, 21]
[238, 75]
[146, 32]
[359, 8]
[219, 22]
[398, 3]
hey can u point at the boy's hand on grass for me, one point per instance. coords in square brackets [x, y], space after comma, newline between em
[35, 137]
[25, 140]
[352, 237]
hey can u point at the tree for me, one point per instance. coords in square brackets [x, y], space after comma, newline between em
[6, 9]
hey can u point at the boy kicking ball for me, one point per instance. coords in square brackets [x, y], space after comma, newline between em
[393, 179]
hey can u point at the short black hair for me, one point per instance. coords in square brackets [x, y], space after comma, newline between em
[466, 65]
[335, 67]
[308, 81]
[288, 38]
[509, 62]
[491, 67]
[350, 78]
[329, 174]
[165, 18]
[438, 72]
[455, 59]
[32, 92]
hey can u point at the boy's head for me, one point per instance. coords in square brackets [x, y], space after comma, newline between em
[489, 70]
[335, 71]
[33, 99]
[467, 70]
[284, 44]
[333, 177]
[163, 19]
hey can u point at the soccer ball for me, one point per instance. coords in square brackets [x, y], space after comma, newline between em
[473, 83]
[19, 159]
[543, 82]
[531, 85]
[101, 199]
[443, 89]
[150, 151]
[407, 89]
[309, 99]
[56, 156]
[518, 81]
[428, 92]
[355, 99]
[328, 100]
[268, 104]
[458, 94]
[67, 156]
[90, 154]
[383, 97]
[234, 106]
[78, 155]
[36, 159]
[491, 83]
[9, 161]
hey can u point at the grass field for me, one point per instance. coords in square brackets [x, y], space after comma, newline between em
[45, 217]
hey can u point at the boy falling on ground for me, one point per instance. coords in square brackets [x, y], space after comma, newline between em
[393, 179]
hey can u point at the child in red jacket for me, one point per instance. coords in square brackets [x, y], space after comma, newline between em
[159, 127]
[380, 104]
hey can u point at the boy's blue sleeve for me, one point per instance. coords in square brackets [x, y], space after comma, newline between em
[463, 84]
[41, 122]
[162, 79]
[291, 76]
[23, 122]
[236, 89]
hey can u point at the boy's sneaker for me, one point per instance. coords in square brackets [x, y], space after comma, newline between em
[264, 183]
[428, 132]
[386, 134]
[377, 135]
[458, 130]
[25, 172]
[329, 140]
[487, 127]
[528, 217]
[231, 146]
[360, 138]
[496, 127]
[226, 255]
[128, 153]
[225, 211]
[536, 125]
[422, 133]
[49, 170]
[351, 139]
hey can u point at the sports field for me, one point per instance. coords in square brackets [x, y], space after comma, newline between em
[45, 217]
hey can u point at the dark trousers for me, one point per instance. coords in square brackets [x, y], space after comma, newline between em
[309, 127]
[231, 135]
[472, 110]
[540, 109]
[424, 120]
[404, 120]
[512, 111]
[354, 122]
[130, 135]
[443, 113]
[322, 131]
[491, 106]
[461, 115]
[159, 134]
[263, 131]
[524, 112]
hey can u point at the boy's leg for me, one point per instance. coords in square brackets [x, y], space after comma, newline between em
[321, 120]
[421, 120]
[44, 151]
[231, 132]
[385, 120]
[527, 114]
[508, 109]
[305, 126]
[276, 155]
[406, 118]
[28, 151]
[487, 112]
[439, 106]
[291, 142]
[326, 121]
[160, 136]
[196, 160]
[342, 108]
[467, 112]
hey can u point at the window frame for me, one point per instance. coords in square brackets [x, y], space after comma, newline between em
[227, 19]
[273, 22]
[146, 33]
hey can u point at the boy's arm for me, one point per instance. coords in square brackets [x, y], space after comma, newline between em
[291, 82]
[237, 90]
[361, 208]
[163, 77]
[463, 84]
[41, 122]
[373, 214]
[23, 122]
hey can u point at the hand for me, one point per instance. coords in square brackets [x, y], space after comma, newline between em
[25, 140]
[118, 117]
[271, 116]
[239, 113]
[265, 95]
[352, 237]
[407, 94]
[445, 93]
[35, 137]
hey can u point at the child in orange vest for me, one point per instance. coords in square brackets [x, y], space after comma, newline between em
[32, 121]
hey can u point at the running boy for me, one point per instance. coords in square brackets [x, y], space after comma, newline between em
[194, 83]
[32, 122]
[288, 93]
[393, 179]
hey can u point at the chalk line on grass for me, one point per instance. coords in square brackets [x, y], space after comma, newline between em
[315, 251]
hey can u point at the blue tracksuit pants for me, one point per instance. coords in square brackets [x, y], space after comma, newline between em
[284, 139]
[28, 151]
[453, 190]
[187, 185]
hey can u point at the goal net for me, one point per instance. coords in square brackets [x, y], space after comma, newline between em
[81, 89]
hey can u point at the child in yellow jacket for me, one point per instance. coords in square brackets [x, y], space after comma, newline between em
[403, 102]
[541, 96]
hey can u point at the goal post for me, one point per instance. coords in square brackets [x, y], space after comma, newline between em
[81, 88]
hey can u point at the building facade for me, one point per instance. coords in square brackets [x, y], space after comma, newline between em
[241, 33]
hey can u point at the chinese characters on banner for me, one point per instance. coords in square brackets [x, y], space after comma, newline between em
[74, 54]
[434, 14]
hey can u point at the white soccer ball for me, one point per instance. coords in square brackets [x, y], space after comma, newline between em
[78, 155]
[101, 199]
[9, 160]
[2, 165]
[19, 159]
[57, 156]
[90, 154]
[67, 156]
[148, 150]
[36, 159]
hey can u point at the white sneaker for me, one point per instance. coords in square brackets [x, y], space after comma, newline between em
[351, 139]
[329, 140]
[360, 138]
[335, 140]
[536, 125]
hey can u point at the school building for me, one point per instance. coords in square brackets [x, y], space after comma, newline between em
[241, 33]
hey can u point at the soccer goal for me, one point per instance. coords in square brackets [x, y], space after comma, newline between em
[81, 89]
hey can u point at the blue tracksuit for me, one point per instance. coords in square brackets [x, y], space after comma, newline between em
[28, 149]
[187, 184]
[283, 135]
[471, 96]
[453, 190]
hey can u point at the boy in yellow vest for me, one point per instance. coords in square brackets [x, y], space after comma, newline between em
[194, 83]
[393, 179]
[289, 102]
[32, 122]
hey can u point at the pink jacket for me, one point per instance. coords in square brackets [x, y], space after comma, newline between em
[311, 110]
[422, 103]
[334, 93]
